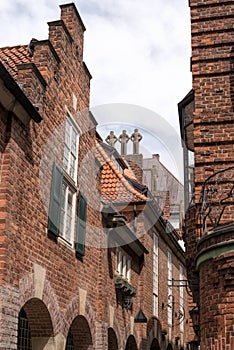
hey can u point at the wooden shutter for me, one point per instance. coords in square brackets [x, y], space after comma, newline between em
[81, 225]
[55, 200]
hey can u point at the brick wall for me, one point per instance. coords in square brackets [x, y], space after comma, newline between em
[39, 273]
[212, 69]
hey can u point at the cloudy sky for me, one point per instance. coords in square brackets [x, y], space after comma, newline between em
[138, 52]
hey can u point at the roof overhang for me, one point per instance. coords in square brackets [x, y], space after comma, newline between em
[123, 236]
[14, 100]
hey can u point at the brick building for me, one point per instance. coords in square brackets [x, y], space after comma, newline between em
[82, 243]
[207, 129]
[163, 183]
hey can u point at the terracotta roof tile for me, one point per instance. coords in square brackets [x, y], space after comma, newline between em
[113, 185]
[12, 56]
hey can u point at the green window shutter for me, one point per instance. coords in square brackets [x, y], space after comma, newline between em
[81, 225]
[55, 200]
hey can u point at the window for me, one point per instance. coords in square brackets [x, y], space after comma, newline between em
[123, 265]
[181, 297]
[24, 336]
[67, 213]
[170, 297]
[62, 215]
[155, 276]
[70, 158]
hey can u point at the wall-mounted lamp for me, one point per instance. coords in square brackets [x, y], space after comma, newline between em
[140, 317]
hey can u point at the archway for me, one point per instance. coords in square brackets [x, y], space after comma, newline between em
[112, 340]
[79, 335]
[155, 345]
[131, 343]
[169, 347]
[35, 327]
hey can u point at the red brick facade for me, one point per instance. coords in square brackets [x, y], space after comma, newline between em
[209, 230]
[67, 298]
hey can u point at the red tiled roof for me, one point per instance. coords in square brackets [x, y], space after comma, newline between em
[12, 56]
[113, 185]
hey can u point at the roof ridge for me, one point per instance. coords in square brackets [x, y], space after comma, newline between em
[119, 175]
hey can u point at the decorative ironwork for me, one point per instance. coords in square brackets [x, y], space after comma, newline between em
[187, 284]
[217, 199]
[177, 310]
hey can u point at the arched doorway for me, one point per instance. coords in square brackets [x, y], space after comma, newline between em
[131, 343]
[112, 340]
[34, 326]
[155, 345]
[79, 335]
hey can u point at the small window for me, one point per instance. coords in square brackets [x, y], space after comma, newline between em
[123, 265]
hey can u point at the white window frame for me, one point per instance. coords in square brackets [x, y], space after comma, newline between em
[155, 276]
[170, 296]
[69, 238]
[71, 129]
[70, 186]
[181, 278]
[123, 264]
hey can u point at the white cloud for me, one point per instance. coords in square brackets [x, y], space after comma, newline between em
[137, 51]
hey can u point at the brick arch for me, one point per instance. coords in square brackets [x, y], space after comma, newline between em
[128, 333]
[116, 329]
[112, 340]
[73, 311]
[49, 298]
[81, 334]
[39, 318]
[155, 345]
[131, 343]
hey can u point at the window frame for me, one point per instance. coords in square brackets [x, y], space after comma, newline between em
[123, 264]
[181, 278]
[74, 127]
[62, 232]
[155, 274]
[169, 281]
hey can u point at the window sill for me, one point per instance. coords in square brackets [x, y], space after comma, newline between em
[65, 243]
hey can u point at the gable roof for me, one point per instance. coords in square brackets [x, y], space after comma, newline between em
[114, 186]
[12, 56]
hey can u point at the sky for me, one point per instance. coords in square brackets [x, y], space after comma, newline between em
[138, 53]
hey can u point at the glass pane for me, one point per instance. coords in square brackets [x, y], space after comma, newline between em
[66, 158]
[72, 166]
[74, 141]
[68, 133]
[63, 208]
[69, 216]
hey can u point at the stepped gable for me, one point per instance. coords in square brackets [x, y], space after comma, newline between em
[113, 186]
[12, 56]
